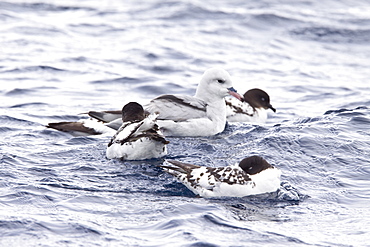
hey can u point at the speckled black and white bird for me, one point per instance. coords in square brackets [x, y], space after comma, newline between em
[253, 107]
[139, 136]
[253, 175]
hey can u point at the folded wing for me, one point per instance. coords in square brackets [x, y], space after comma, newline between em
[177, 107]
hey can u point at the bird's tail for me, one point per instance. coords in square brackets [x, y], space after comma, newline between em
[176, 167]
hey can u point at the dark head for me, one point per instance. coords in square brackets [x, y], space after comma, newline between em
[258, 98]
[254, 164]
[132, 112]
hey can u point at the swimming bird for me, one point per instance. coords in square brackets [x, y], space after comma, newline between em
[252, 108]
[253, 175]
[181, 115]
[138, 137]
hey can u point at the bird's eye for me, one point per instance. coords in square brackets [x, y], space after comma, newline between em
[220, 81]
[263, 99]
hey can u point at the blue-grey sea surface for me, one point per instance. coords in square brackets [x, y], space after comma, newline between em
[59, 59]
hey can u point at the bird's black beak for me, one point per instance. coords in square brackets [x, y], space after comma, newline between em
[272, 108]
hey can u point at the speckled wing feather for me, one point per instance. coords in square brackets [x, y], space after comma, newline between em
[133, 131]
[206, 177]
[125, 132]
[151, 134]
[229, 174]
[234, 106]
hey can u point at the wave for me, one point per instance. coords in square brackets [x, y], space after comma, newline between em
[38, 31]
[36, 68]
[41, 7]
[13, 121]
[345, 111]
[124, 80]
[25, 105]
[333, 34]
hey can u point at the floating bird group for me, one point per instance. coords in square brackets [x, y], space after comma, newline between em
[139, 133]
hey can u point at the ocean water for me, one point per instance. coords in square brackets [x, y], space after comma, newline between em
[60, 59]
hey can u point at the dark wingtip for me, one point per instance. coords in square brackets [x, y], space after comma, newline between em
[54, 125]
[73, 128]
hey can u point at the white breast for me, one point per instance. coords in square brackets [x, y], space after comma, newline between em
[144, 148]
